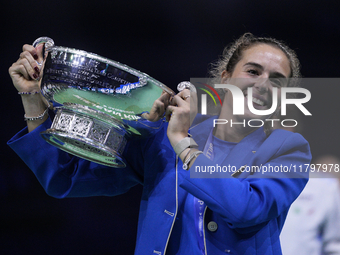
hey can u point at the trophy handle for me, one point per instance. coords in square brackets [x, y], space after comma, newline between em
[49, 43]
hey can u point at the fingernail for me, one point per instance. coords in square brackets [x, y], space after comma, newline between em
[35, 76]
[35, 56]
[37, 69]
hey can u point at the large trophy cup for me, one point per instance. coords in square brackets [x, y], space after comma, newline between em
[100, 102]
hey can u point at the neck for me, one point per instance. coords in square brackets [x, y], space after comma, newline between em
[234, 133]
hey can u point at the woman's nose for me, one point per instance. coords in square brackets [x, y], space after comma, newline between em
[263, 84]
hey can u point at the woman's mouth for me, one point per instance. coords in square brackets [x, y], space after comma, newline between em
[258, 101]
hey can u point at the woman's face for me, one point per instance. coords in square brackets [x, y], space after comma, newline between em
[261, 67]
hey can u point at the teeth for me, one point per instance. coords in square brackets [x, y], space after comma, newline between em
[258, 101]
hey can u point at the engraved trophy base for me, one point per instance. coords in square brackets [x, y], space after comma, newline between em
[89, 134]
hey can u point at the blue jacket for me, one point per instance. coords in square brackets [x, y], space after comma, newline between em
[248, 211]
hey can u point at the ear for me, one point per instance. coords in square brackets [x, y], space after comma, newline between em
[225, 76]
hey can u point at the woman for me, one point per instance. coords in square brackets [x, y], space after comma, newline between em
[240, 214]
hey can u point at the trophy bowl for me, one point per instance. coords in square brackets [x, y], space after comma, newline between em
[100, 102]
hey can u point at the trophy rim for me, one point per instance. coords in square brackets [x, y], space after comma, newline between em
[143, 77]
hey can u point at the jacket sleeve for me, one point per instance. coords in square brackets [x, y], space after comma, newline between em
[257, 199]
[63, 175]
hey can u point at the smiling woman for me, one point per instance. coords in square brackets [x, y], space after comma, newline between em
[260, 62]
[258, 65]
[237, 212]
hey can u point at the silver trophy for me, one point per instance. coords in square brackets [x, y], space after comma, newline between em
[100, 103]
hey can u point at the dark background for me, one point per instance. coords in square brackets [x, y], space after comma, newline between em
[170, 41]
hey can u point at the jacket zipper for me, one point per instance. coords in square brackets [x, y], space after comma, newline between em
[205, 245]
[173, 222]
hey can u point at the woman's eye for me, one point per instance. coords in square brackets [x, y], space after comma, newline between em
[253, 72]
[277, 82]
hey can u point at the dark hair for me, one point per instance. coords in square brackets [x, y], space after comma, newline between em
[232, 54]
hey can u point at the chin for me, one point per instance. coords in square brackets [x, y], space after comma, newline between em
[249, 115]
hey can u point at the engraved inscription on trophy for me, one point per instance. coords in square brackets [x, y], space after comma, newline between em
[83, 72]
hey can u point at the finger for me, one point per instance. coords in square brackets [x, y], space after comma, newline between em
[157, 110]
[31, 66]
[18, 69]
[169, 111]
[165, 98]
[186, 98]
[22, 68]
[161, 104]
[40, 50]
[179, 101]
[189, 96]
[37, 53]
[31, 50]
[184, 93]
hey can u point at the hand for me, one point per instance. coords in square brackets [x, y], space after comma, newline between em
[158, 108]
[26, 73]
[180, 115]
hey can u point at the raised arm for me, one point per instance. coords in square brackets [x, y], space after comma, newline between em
[26, 73]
